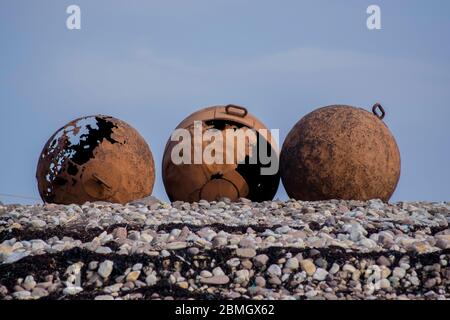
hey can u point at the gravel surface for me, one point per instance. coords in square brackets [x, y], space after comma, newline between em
[221, 250]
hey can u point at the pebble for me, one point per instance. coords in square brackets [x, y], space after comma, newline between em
[151, 280]
[261, 260]
[399, 273]
[133, 276]
[385, 284]
[105, 268]
[29, 283]
[383, 261]
[334, 268]
[215, 280]
[245, 252]
[218, 271]
[22, 295]
[218, 242]
[308, 266]
[274, 270]
[120, 233]
[292, 264]
[206, 274]
[39, 293]
[176, 245]
[104, 297]
[260, 281]
[103, 250]
[72, 290]
[320, 274]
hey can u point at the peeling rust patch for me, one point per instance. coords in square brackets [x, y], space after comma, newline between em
[95, 158]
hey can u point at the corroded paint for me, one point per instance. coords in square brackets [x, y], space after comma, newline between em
[340, 152]
[193, 182]
[95, 158]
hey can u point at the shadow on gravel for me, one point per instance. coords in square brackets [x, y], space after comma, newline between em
[180, 260]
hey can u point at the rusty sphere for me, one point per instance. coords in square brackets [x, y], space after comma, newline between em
[235, 179]
[95, 158]
[340, 152]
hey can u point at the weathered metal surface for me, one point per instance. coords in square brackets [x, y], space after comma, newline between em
[95, 158]
[340, 152]
[193, 182]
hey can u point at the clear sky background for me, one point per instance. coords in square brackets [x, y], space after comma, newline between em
[152, 63]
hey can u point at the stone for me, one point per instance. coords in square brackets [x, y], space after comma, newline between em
[292, 264]
[349, 268]
[430, 283]
[215, 280]
[218, 271]
[443, 241]
[113, 288]
[93, 265]
[72, 290]
[177, 245]
[399, 273]
[334, 268]
[260, 260]
[151, 280]
[105, 268]
[320, 274]
[120, 233]
[39, 293]
[193, 251]
[385, 284]
[274, 270]
[29, 283]
[383, 261]
[245, 252]
[104, 297]
[133, 276]
[205, 274]
[219, 242]
[233, 262]
[147, 201]
[22, 295]
[260, 281]
[308, 266]
[38, 223]
[137, 267]
[103, 250]
[242, 276]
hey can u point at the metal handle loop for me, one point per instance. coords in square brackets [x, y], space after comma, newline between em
[376, 107]
[242, 114]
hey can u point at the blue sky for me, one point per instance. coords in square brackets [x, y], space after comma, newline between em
[152, 63]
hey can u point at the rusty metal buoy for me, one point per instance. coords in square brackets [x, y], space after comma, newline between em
[340, 152]
[95, 158]
[192, 181]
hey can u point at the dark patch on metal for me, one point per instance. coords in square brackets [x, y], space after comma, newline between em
[84, 151]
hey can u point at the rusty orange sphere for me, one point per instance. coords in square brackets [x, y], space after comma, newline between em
[95, 158]
[236, 179]
[340, 152]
